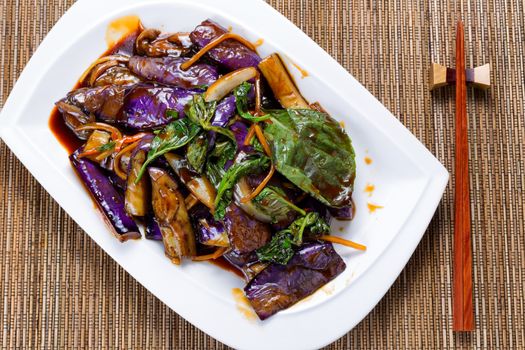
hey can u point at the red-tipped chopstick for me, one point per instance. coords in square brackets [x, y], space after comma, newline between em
[463, 313]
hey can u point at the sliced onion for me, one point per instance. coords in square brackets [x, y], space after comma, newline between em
[241, 190]
[222, 87]
[118, 58]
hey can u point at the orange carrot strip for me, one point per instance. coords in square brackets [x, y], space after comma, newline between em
[251, 132]
[260, 187]
[116, 161]
[343, 241]
[215, 255]
[129, 139]
[214, 43]
[88, 153]
[262, 140]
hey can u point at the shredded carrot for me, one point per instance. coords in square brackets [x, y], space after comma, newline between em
[115, 133]
[116, 161]
[251, 132]
[88, 153]
[217, 254]
[262, 140]
[128, 139]
[343, 241]
[104, 155]
[260, 187]
[214, 43]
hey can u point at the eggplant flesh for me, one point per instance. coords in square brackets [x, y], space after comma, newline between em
[281, 83]
[106, 196]
[280, 286]
[245, 233]
[172, 216]
[137, 195]
[199, 185]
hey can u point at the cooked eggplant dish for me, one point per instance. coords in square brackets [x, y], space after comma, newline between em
[194, 140]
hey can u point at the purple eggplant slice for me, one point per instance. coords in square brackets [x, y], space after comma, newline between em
[107, 198]
[245, 233]
[105, 102]
[167, 71]
[152, 228]
[230, 54]
[345, 213]
[137, 197]
[210, 232]
[226, 109]
[74, 118]
[117, 75]
[152, 43]
[172, 216]
[145, 106]
[280, 286]
[198, 184]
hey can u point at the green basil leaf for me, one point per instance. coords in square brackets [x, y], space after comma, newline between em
[201, 113]
[272, 202]
[107, 147]
[241, 101]
[197, 151]
[230, 178]
[175, 135]
[279, 250]
[223, 152]
[313, 152]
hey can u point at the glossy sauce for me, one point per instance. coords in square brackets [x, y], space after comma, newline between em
[258, 43]
[243, 305]
[369, 189]
[373, 207]
[58, 127]
[368, 160]
[304, 73]
[121, 28]
[225, 265]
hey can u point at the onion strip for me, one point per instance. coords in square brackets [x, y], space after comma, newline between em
[342, 241]
[261, 186]
[217, 254]
[118, 58]
[191, 201]
[116, 161]
[214, 43]
[115, 133]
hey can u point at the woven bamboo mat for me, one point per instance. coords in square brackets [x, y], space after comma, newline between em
[59, 290]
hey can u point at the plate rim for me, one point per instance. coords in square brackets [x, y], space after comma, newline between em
[412, 231]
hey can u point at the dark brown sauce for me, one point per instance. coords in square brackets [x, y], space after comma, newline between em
[58, 127]
[225, 265]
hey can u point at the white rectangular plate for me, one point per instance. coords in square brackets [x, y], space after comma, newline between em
[409, 181]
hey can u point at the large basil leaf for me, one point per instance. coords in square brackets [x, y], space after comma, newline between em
[173, 136]
[312, 151]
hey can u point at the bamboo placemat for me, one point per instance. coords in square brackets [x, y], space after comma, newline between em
[59, 290]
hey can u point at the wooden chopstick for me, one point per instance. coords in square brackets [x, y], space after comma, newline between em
[463, 313]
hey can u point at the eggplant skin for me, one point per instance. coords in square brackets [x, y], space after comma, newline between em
[172, 216]
[245, 233]
[278, 287]
[230, 54]
[107, 197]
[167, 70]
